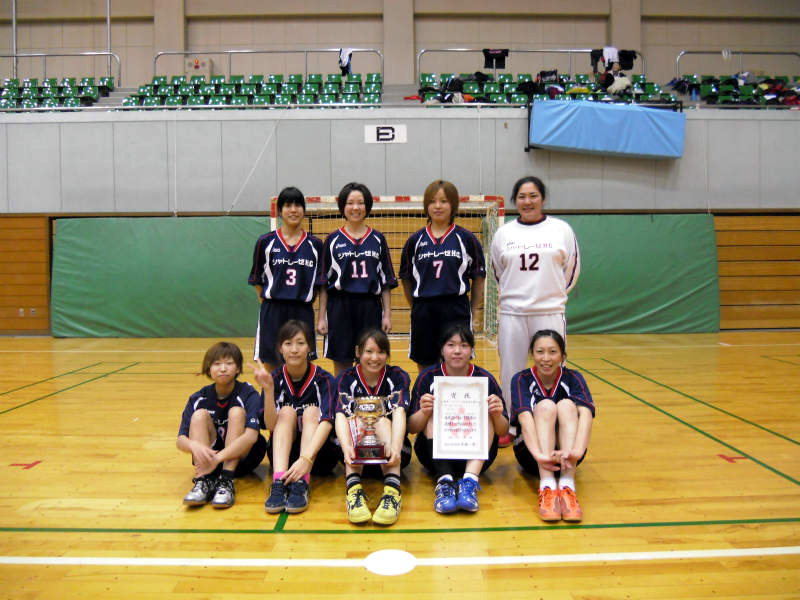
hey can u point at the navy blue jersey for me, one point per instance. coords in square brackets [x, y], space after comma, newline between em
[243, 395]
[351, 382]
[287, 272]
[424, 384]
[360, 266]
[442, 267]
[316, 389]
[527, 389]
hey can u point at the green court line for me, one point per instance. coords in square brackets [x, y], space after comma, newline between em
[704, 403]
[49, 378]
[397, 530]
[690, 426]
[281, 522]
[786, 362]
[66, 389]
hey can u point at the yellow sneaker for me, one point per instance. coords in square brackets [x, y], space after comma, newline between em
[388, 507]
[357, 510]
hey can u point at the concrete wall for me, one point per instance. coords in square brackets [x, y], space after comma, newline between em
[163, 162]
[658, 28]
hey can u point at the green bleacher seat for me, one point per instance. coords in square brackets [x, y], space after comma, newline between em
[106, 84]
[314, 78]
[50, 82]
[510, 88]
[275, 78]
[351, 88]
[69, 82]
[503, 78]
[269, 88]
[216, 80]
[10, 82]
[30, 82]
[217, 101]
[90, 93]
[185, 89]
[261, 100]
[29, 93]
[87, 82]
[371, 98]
[518, 99]
[236, 80]
[310, 88]
[149, 101]
[256, 79]
[282, 99]
[350, 98]
[49, 92]
[207, 89]
[327, 99]
[146, 90]
[49, 103]
[173, 101]
[334, 78]
[69, 92]
[582, 78]
[165, 90]
[372, 88]
[354, 78]
[305, 99]
[28, 103]
[239, 100]
[8, 103]
[295, 78]
[197, 80]
[177, 80]
[330, 88]
[472, 87]
[523, 77]
[491, 87]
[10, 92]
[248, 89]
[226, 89]
[498, 98]
[158, 80]
[540, 97]
[374, 78]
[195, 101]
[130, 101]
[289, 89]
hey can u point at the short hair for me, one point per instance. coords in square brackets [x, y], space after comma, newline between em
[529, 179]
[354, 187]
[551, 333]
[460, 329]
[219, 351]
[290, 329]
[377, 335]
[290, 195]
[450, 192]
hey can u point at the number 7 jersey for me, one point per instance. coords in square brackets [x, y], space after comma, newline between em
[536, 265]
[287, 272]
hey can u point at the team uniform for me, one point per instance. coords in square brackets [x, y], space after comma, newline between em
[243, 395]
[393, 379]
[527, 390]
[288, 275]
[536, 265]
[355, 273]
[314, 389]
[423, 447]
[440, 271]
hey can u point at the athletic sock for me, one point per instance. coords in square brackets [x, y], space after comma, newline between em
[278, 475]
[566, 481]
[227, 473]
[548, 481]
[352, 480]
[444, 478]
[392, 481]
[471, 476]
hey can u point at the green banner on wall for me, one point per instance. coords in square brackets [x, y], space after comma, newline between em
[154, 277]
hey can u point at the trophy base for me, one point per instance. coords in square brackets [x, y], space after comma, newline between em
[369, 455]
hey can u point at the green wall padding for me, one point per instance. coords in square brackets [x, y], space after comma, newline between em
[645, 274]
[187, 277]
[154, 277]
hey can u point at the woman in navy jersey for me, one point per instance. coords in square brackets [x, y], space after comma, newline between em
[220, 428]
[439, 265]
[372, 376]
[286, 273]
[456, 350]
[553, 407]
[357, 277]
[298, 410]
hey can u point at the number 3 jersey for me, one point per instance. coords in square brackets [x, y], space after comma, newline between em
[424, 384]
[536, 265]
[287, 272]
[357, 266]
[442, 267]
[243, 395]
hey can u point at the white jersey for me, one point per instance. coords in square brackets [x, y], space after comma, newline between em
[536, 265]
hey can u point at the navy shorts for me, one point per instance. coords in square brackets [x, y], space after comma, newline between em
[349, 315]
[247, 463]
[423, 448]
[272, 315]
[526, 460]
[429, 318]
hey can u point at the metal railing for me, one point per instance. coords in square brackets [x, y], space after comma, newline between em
[727, 53]
[511, 51]
[305, 52]
[45, 55]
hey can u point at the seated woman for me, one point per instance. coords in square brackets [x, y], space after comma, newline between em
[456, 349]
[219, 427]
[298, 410]
[372, 376]
[554, 409]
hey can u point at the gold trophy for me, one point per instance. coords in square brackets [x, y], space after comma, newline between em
[368, 409]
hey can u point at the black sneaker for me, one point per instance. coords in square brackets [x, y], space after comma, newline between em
[297, 500]
[277, 498]
[224, 496]
[202, 491]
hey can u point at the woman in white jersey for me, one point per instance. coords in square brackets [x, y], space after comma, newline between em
[536, 263]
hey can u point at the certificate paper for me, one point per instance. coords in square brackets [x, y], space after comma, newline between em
[461, 417]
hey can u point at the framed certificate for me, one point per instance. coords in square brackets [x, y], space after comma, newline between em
[461, 418]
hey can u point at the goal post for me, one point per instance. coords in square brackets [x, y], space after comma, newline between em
[397, 217]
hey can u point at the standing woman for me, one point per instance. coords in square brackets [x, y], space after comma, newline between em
[285, 274]
[357, 277]
[536, 263]
[554, 409]
[439, 265]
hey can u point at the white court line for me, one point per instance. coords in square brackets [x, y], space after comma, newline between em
[422, 562]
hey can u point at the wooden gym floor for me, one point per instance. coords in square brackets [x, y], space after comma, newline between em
[691, 488]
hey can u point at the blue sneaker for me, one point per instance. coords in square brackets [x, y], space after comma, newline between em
[445, 501]
[297, 500]
[468, 494]
[276, 503]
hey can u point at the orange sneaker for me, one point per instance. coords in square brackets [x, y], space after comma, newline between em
[548, 505]
[570, 509]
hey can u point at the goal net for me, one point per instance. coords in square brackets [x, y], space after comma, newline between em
[397, 217]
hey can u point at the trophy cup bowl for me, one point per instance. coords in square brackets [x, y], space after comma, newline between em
[368, 448]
